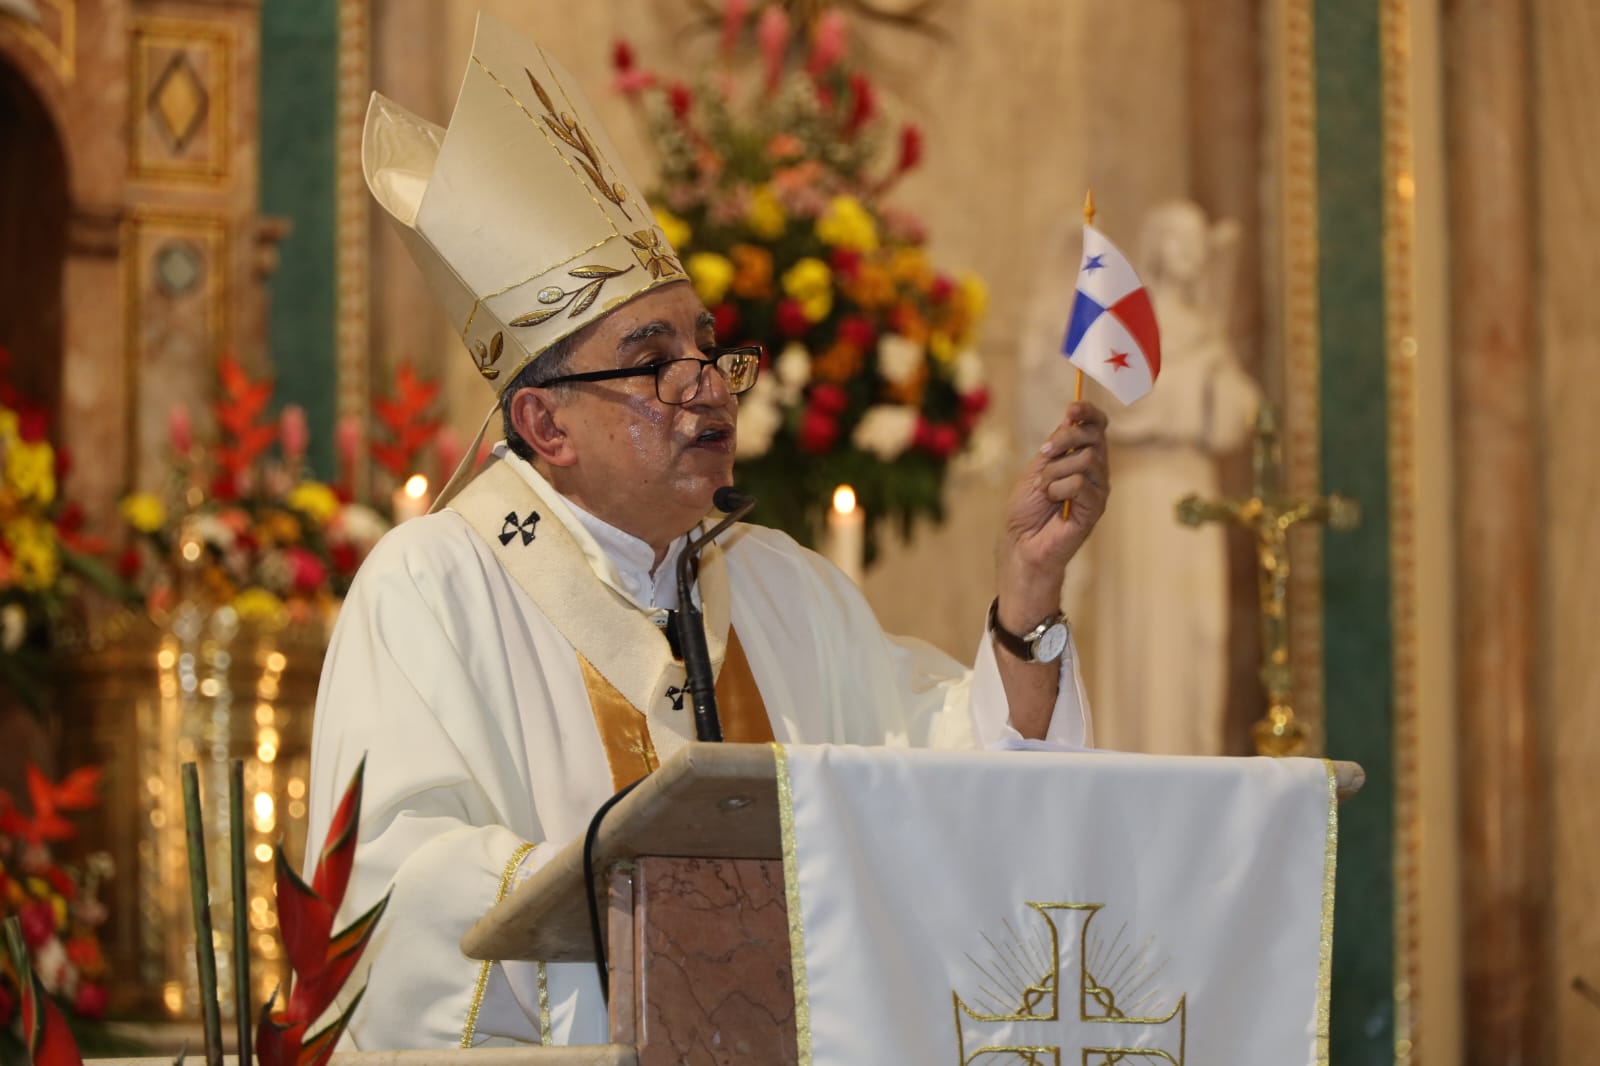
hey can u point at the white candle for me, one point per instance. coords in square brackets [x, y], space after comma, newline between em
[411, 499]
[846, 543]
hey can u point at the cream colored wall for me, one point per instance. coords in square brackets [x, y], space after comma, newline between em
[1568, 82]
[1023, 106]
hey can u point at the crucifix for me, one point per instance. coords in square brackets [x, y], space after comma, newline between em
[1269, 515]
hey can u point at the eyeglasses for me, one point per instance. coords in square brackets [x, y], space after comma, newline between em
[678, 380]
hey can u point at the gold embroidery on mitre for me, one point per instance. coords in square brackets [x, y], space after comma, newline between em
[486, 355]
[655, 255]
[1024, 987]
[571, 132]
[575, 302]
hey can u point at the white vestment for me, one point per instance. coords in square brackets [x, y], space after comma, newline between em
[470, 707]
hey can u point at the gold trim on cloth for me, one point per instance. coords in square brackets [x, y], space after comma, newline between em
[625, 733]
[1330, 866]
[791, 895]
[468, 1030]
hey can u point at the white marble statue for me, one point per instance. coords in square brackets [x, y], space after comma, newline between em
[1152, 595]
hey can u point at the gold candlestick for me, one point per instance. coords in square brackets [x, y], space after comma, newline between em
[1270, 515]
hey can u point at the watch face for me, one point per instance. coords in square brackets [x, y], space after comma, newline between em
[1051, 643]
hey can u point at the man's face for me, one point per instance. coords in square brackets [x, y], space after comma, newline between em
[645, 466]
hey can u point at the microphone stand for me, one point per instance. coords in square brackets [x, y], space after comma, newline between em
[690, 623]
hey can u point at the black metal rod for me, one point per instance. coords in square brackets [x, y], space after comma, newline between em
[691, 627]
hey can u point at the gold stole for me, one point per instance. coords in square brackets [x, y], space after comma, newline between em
[635, 686]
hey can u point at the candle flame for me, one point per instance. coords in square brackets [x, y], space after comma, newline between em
[416, 486]
[844, 499]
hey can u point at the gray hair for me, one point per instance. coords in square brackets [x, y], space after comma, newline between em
[550, 363]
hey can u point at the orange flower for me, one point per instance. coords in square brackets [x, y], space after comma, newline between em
[84, 953]
[785, 146]
[872, 287]
[908, 322]
[752, 271]
[841, 362]
[908, 392]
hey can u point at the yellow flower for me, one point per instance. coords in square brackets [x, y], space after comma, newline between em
[31, 471]
[941, 347]
[258, 605]
[765, 215]
[810, 282]
[8, 426]
[315, 500]
[144, 512]
[675, 229]
[977, 296]
[847, 224]
[35, 563]
[711, 274]
[910, 266]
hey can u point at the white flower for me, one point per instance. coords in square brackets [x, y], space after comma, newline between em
[899, 358]
[759, 419]
[886, 430]
[50, 962]
[967, 374]
[211, 530]
[359, 525]
[13, 626]
[793, 370]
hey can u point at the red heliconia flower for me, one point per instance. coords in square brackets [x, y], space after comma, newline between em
[45, 1035]
[680, 99]
[790, 318]
[406, 418]
[863, 103]
[75, 792]
[910, 149]
[818, 431]
[321, 960]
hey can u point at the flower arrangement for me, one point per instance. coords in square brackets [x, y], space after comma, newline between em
[241, 522]
[56, 906]
[773, 192]
[45, 557]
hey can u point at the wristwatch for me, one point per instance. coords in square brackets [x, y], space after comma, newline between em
[1044, 643]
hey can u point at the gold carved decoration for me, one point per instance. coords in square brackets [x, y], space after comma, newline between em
[1023, 988]
[575, 302]
[571, 132]
[654, 255]
[59, 49]
[180, 100]
[351, 221]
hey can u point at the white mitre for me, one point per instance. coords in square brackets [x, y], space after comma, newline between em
[520, 214]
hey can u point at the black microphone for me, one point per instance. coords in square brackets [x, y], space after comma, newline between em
[691, 626]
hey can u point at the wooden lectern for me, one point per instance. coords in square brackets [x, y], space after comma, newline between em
[696, 923]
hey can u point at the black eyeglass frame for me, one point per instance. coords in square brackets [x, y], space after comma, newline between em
[655, 369]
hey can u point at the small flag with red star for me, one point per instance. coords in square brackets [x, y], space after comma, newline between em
[1112, 335]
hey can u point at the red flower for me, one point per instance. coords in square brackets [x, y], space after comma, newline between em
[38, 923]
[58, 879]
[790, 318]
[727, 319]
[84, 953]
[622, 56]
[818, 431]
[975, 402]
[63, 463]
[344, 557]
[829, 399]
[910, 148]
[939, 440]
[845, 262]
[941, 289]
[224, 487]
[309, 573]
[129, 563]
[32, 426]
[857, 331]
[90, 1002]
[862, 104]
[680, 100]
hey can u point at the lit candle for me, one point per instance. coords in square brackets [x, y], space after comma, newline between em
[411, 499]
[846, 533]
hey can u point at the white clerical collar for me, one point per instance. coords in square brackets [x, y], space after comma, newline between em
[619, 559]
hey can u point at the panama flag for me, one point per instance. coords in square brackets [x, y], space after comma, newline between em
[1112, 336]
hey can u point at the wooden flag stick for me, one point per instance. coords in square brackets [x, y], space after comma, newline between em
[205, 956]
[241, 909]
[1077, 384]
